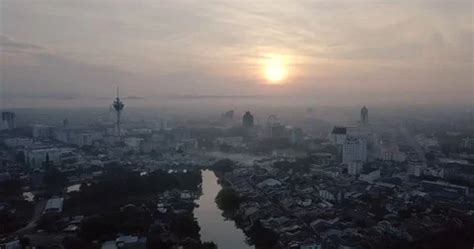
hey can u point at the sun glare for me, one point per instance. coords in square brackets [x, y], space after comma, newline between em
[275, 69]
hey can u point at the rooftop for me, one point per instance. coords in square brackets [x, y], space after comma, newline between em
[339, 130]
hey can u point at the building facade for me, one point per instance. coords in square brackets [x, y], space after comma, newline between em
[354, 150]
[8, 120]
[364, 116]
[247, 120]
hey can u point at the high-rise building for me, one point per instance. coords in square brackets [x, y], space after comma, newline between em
[247, 120]
[354, 150]
[364, 116]
[338, 135]
[8, 119]
[296, 135]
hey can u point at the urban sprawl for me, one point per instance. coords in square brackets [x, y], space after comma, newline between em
[120, 183]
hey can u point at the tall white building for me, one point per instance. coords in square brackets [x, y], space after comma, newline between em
[352, 142]
[354, 150]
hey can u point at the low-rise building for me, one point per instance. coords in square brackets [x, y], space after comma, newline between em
[354, 168]
[370, 177]
[54, 205]
[37, 157]
[230, 141]
[440, 187]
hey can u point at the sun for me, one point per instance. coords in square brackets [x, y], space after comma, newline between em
[275, 69]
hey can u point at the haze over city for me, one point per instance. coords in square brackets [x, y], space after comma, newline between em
[396, 52]
[236, 124]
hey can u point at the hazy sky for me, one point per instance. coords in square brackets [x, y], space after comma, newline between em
[368, 49]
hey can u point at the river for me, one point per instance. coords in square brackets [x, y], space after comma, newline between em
[213, 225]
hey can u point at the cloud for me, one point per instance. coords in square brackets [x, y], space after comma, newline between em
[216, 48]
[398, 52]
[53, 75]
[8, 44]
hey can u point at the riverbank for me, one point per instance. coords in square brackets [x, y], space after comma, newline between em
[214, 226]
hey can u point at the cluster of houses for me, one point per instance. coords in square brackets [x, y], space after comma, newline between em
[327, 207]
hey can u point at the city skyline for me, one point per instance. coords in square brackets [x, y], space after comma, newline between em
[236, 124]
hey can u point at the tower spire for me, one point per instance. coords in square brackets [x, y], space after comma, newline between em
[118, 107]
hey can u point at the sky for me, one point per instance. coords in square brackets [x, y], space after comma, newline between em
[403, 50]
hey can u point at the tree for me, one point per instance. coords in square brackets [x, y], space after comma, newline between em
[10, 188]
[185, 226]
[223, 165]
[154, 241]
[48, 222]
[97, 227]
[54, 179]
[262, 237]
[25, 242]
[209, 245]
[74, 243]
[228, 199]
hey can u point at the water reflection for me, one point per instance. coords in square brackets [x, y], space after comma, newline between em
[213, 226]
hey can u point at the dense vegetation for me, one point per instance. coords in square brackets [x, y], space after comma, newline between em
[54, 180]
[10, 189]
[12, 221]
[182, 226]
[120, 186]
[228, 200]
[14, 211]
[107, 225]
[262, 237]
[123, 203]
[223, 165]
